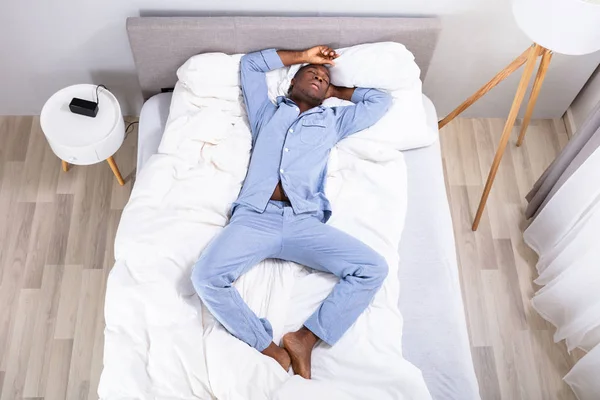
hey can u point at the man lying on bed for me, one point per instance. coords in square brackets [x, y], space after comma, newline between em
[282, 209]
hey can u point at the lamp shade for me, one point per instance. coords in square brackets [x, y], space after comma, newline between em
[563, 26]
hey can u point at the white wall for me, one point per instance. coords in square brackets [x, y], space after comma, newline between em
[46, 45]
[586, 100]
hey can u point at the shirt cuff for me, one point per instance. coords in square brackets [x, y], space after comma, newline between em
[359, 94]
[272, 59]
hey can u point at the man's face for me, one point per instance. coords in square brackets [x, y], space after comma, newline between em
[311, 82]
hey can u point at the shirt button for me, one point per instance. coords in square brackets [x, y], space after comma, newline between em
[297, 109]
[286, 149]
[291, 130]
[281, 170]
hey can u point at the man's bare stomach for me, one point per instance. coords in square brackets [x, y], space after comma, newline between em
[279, 194]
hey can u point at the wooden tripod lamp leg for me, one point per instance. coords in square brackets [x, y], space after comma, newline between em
[510, 68]
[115, 170]
[512, 116]
[65, 166]
[535, 91]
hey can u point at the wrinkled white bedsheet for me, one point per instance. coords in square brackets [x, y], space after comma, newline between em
[161, 343]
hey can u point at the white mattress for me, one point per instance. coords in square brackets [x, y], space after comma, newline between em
[435, 333]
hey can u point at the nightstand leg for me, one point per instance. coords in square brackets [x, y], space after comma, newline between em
[65, 165]
[115, 170]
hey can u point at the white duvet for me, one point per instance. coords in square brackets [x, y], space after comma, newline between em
[161, 343]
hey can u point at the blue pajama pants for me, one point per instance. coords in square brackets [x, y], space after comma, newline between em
[251, 237]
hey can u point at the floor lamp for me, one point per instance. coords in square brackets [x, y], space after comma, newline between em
[561, 26]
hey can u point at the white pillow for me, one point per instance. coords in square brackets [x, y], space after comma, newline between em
[215, 74]
[385, 65]
[390, 67]
[403, 127]
[210, 70]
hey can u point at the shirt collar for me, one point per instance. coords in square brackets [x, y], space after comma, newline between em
[291, 103]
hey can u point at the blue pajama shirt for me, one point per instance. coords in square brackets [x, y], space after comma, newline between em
[292, 148]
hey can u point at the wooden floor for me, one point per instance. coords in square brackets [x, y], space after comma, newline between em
[512, 347]
[56, 235]
[56, 249]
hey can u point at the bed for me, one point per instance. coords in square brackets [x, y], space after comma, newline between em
[434, 333]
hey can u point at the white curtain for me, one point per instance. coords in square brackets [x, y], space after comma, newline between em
[566, 235]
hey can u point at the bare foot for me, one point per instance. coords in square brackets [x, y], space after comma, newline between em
[299, 345]
[278, 354]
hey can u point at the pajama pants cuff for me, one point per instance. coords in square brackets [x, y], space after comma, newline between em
[264, 341]
[312, 325]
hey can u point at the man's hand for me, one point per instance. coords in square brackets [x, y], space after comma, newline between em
[320, 55]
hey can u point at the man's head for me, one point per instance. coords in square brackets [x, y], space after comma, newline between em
[310, 84]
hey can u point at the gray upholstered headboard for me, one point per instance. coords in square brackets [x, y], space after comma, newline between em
[160, 45]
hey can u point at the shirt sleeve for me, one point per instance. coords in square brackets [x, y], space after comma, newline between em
[253, 67]
[370, 105]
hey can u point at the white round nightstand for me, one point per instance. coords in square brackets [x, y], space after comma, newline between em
[81, 140]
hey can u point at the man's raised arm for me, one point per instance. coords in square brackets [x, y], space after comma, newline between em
[253, 68]
[370, 105]
[314, 55]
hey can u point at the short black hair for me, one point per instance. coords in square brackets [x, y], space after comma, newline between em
[312, 65]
